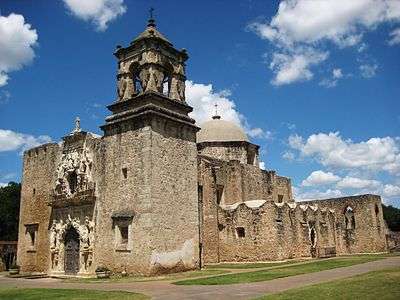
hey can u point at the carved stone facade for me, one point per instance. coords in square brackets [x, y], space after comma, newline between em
[152, 195]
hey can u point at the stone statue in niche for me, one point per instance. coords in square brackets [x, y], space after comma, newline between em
[180, 88]
[125, 88]
[74, 173]
[121, 87]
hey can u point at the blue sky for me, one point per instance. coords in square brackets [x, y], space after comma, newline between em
[314, 83]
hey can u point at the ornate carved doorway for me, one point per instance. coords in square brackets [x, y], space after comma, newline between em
[71, 251]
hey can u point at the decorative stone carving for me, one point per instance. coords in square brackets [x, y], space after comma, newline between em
[74, 173]
[85, 228]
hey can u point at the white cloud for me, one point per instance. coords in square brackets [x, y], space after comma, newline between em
[17, 40]
[320, 178]
[289, 68]
[391, 190]
[12, 141]
[368, 71]
[303, 23]
[376, 154]
[99, 12]
[203, 98]
[4, 97]
[316, 194]
[332, 82]
[357, 183]
[288, 155]
[3, 184]
[262, 165]
[394, 37]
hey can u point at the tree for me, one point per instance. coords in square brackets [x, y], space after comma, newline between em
[10, 196]
[392, 216]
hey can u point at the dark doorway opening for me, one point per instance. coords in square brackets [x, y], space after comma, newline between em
[71, 251]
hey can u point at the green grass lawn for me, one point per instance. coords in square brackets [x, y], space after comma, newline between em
[273, 273]
[174, 276]
[382, 285]
[64, 294]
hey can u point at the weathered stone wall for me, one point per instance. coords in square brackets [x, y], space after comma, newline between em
[160, 189]
[227, 153]
[273, 231]
[244, 152]
[39, 165]
[369, 234]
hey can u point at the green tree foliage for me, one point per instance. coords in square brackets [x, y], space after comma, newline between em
[9, 211]
[392, 216]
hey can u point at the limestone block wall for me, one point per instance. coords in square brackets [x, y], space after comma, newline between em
[369, 234]
[175, 238]
[208, 209]
[151, 172]
[131, 151]
[226, 153]
[39, 165]
[264, 230]
[283, 189]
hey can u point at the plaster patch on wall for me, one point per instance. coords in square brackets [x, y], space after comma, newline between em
[171, 259]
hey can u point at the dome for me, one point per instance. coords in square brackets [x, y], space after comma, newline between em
[217, 130]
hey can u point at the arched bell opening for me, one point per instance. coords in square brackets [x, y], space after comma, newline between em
[134, 71]
[167, 80]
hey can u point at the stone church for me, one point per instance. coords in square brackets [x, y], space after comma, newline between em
[157, 194]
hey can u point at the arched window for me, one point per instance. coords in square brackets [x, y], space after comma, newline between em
[72, 182]
[166, 85]
[349, 219]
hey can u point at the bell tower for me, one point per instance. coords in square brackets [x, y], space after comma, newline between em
[150, 160]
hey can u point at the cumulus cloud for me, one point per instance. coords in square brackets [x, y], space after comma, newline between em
[12, 141]
[292, 67]
[99, 12]
[357, 183]
[262, 165]
[320, 178]
[302, 23]
[376, 154]
[17, 40]
[368, 71]
[203, 98]
[391, 190]
[394, 37]
[316, 194]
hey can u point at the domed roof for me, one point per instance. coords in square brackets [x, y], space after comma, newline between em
[217, 130]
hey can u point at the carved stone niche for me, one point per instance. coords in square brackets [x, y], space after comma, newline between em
[74, 184]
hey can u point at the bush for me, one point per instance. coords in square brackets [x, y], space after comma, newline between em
[14, 266]
[102, 269]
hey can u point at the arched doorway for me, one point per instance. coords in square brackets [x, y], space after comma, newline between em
[71, 251]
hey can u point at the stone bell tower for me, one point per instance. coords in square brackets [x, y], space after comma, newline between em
[149, 187]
